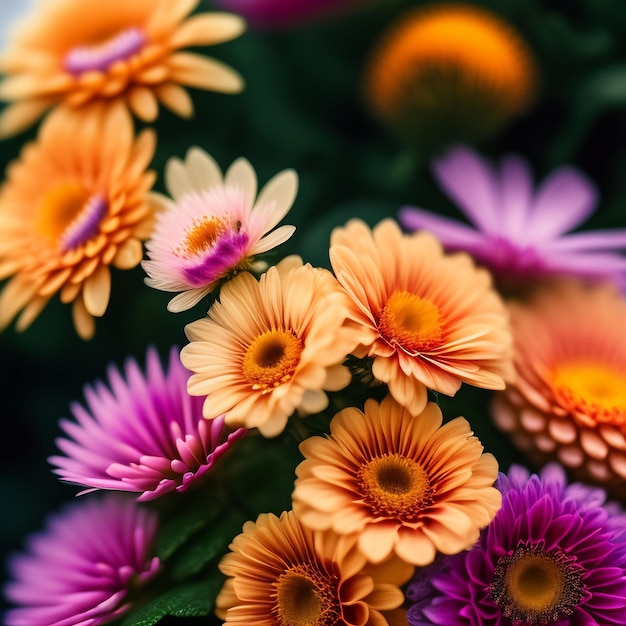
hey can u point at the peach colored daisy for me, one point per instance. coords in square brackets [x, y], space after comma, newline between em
[401, 483]
[82, 51]
[569, 397]
[74, 203]
[282, 573]
[428, 320]
[270, 347]
[214, 226]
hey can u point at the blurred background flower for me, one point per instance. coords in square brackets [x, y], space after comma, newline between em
[447, 73]
[85, 565]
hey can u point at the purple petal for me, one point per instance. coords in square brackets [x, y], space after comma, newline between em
[565, 199]
[516, 191]
[470, 182]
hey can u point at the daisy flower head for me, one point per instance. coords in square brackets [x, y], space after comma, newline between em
[428, 320]
[270, 347]
[568, 401]
[77, 52]
[449, 72]
[141, 433]
[550, 556]
[519, 233]
[214, 225]
[67, 216]
[403, 484]
[82, 567]
[280, 572]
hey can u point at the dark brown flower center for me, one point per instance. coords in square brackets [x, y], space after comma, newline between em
[537, 587]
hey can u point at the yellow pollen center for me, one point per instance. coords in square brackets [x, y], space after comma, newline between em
[598, 390]
[202, 236]
[410, 322]
[59, 209]
[395, 486]
[306, 597]
[536, 587]
[271, 359]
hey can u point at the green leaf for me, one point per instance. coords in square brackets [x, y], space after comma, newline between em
[192, 600]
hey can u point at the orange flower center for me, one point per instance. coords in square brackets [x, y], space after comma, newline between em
[202, 236]
[69, 215]
[395, 486]
[595, 389]
[410, 322]
[100, 55]
[536, 587]
[307, 597]
[271, 359]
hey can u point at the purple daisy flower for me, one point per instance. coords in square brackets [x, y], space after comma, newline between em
[554, 554]
[80, 569]
[142, 433]
[520, 233]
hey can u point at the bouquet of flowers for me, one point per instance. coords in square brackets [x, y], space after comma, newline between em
[365, 363]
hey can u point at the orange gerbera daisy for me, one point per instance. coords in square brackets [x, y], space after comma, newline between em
[73, 204]
[450, 72]
[400, 483]
[81, 51]
[429, 320]
[282, 573]
[271, 346]
[569, 396]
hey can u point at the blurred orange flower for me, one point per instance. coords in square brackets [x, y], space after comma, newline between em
[82, 51]
[74, 203]
[569, 398]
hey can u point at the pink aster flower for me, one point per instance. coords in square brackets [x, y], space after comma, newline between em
[267, 13]
[520, 233]
[80, 570]
[142, 433]
[214, 226]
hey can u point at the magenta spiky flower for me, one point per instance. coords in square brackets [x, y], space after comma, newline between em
[142, 433]
[521, 233]
[80, 569]
[554, 554]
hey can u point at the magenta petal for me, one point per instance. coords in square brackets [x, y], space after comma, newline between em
[470, 182]
[565, 199]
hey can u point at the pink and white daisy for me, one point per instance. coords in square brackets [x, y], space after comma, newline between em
[214, 225]
[142, 433]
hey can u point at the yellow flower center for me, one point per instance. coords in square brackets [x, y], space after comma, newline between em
[271, 359]
[306, 597]
[395, 486]
[69, 215]
[536, 587]
[410, 322]
[202, 236]
[596, 389]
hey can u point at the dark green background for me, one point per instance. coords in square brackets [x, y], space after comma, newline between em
[302, 108]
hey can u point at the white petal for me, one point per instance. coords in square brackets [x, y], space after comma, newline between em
[202, 170]
[276, 198]
[186, 300]
[275, 238]
[241, 175]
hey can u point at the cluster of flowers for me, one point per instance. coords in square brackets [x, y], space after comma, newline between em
[398, 515]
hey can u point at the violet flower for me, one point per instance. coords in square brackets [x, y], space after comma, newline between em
[554, 554]
[520, 233]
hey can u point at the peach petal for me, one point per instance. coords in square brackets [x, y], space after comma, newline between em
[532, 420]
[571, 455]
[593, 444]
[613, 436]
[562, 430]
[617, 461]
[376, 541]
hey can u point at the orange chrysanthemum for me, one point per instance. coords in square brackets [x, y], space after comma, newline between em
[453, 70]
[402, 484]
[84, 51]
[429, 320]
[282, 573]
[270, 347]
[73, 204]
[569, 396]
